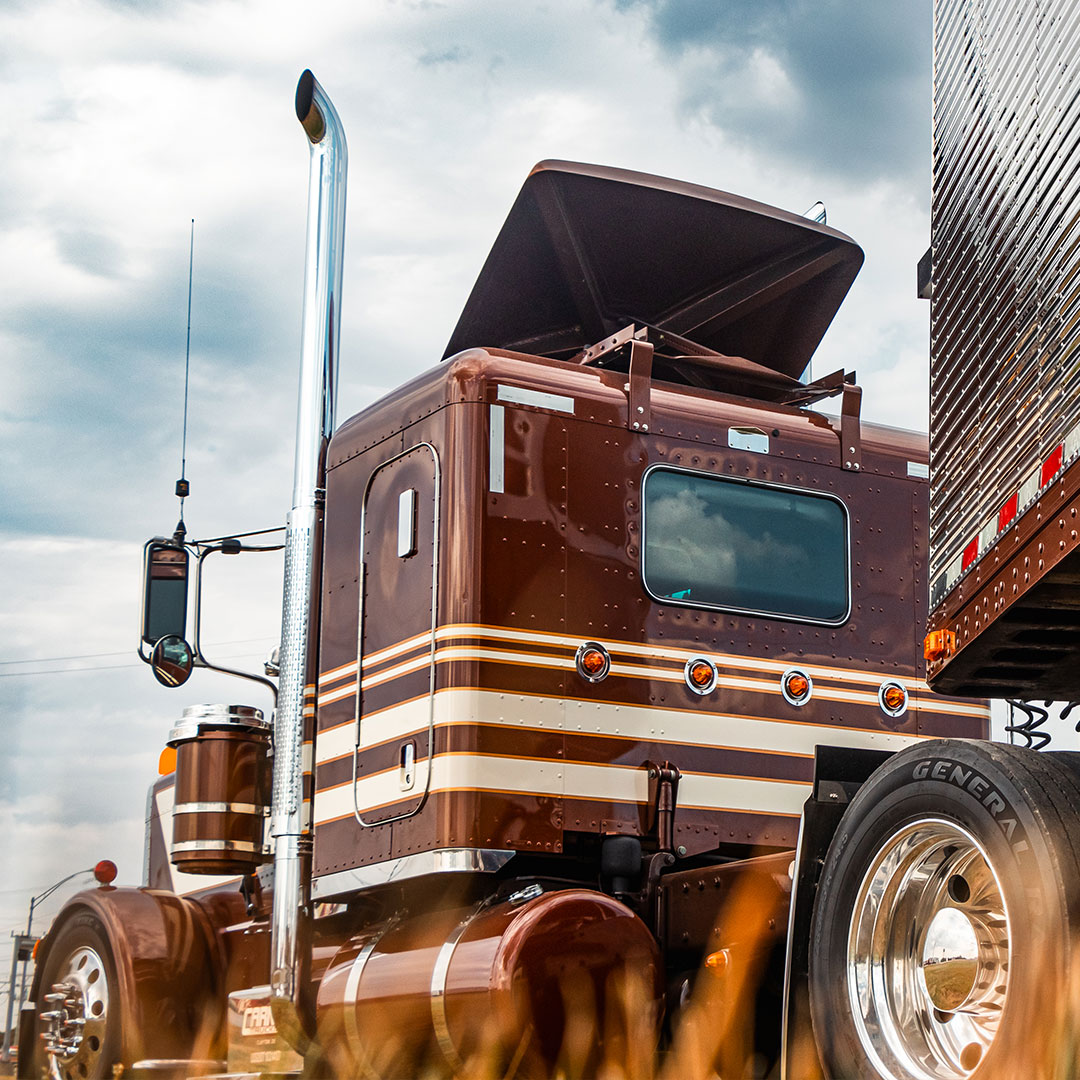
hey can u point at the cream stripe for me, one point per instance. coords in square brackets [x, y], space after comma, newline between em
[447, 655]
[637, 671]
[627, 721]
[654, 652]
[336, 673]
[678, 655]
[337, 695]
[476, 772]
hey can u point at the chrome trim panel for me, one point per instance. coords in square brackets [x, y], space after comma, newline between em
[497, 449]
[439, 861]
[746, 438]
[520, 395]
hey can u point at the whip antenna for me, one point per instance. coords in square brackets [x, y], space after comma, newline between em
[182, 486]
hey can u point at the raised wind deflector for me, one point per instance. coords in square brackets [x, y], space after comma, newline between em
[732, 293]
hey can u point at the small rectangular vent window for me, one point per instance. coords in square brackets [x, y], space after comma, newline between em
[715, 542]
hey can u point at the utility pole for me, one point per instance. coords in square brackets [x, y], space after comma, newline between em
[22, 947]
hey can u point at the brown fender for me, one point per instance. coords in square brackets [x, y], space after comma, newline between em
[168, 970]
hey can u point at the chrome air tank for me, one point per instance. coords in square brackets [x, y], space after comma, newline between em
[517, 984]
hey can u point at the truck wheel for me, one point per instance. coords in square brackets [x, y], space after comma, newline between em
[941, 945]
[78, 1011]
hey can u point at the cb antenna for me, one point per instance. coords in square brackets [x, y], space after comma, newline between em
[183, 488]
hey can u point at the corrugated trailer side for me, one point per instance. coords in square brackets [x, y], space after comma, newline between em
[1005, 351]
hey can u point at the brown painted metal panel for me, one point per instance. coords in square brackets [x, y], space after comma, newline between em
[540, 550]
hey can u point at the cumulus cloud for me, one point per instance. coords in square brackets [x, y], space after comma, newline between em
[832, 86]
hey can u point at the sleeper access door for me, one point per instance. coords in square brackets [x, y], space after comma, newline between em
[395, 691]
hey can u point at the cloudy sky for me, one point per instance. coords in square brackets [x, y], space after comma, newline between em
[124, 120]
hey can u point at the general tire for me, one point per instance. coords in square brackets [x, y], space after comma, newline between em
[990, 832]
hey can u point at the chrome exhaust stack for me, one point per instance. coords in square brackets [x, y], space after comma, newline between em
[314, 426]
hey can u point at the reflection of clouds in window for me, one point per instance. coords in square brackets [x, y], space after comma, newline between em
[723, 543]
[686, 541]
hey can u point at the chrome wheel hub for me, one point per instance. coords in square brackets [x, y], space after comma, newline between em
[928, 954]
[73, 1025]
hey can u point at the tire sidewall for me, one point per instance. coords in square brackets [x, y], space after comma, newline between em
[972, 787]
[78, 930]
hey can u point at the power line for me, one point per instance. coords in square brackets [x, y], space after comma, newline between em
[123, 652]
[57, 659]
[103, 667]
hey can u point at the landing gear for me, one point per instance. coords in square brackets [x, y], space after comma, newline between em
[942, 945]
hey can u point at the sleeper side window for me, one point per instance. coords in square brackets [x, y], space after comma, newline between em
[716, 542]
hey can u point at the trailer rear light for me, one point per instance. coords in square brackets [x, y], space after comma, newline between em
[700, 675]
[166, 762]
[892, 697]
[939, 644]
[971, 553]
[593, 661]
[1052, 465]
[796, 686]
[105, 871]
[1009, 511]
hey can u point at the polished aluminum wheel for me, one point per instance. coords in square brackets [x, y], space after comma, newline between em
[75, 1021]
[928, 954]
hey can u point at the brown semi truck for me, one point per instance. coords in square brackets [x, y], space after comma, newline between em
[600, 708]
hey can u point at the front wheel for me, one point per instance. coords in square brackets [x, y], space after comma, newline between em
[78, 1010]
[941, 945]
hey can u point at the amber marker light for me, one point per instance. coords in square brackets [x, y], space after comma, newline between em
[892, 698]
[166, 763]
[718, 962]
[593, 661]
[105, 871]
[700, 675]
[796, 686]
[939, 644]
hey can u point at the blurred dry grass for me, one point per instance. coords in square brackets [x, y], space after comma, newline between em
[615, 1035]
[617, 1039]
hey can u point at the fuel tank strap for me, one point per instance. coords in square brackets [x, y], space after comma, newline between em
[438, 994]
[352, 987]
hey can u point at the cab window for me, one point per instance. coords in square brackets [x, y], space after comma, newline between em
[716, 542]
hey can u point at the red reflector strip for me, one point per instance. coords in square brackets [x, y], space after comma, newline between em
[1008, 511]
[971, 553]
[1052, 465]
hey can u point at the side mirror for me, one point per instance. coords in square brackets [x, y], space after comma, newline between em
[165, 588]
[171, 660]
